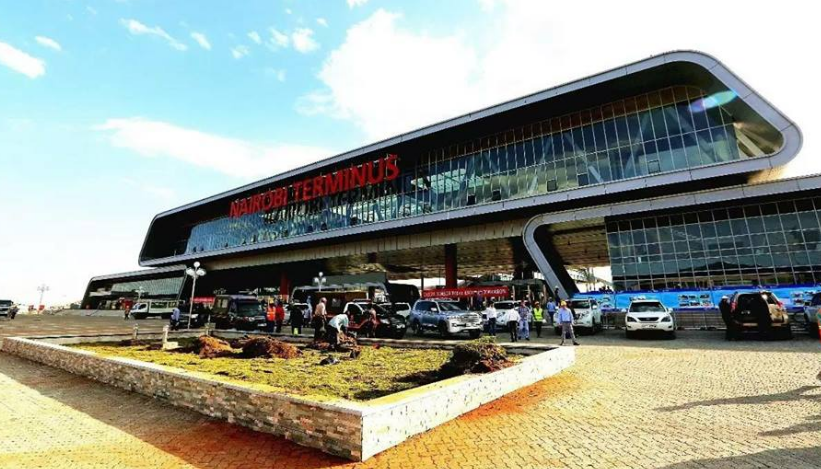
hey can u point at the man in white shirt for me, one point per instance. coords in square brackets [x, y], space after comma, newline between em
[337, 325]
[512, 318]
[491, 315]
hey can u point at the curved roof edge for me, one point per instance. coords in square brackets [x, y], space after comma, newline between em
[792, 144]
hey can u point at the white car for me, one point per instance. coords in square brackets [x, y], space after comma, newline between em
[586, 315]
[811, 314]
[502, 308]
[649, 316]
[402, 309]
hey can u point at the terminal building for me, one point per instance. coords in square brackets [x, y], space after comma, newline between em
[667, 170]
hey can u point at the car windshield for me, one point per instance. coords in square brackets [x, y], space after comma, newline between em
[503, 305]
[449, 307]
[581, 304]
[5, 302]
[650, 307]
[250, 309]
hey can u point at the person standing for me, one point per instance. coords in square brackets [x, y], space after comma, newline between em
[565, 317]
[296, 320]
[175, 318]
[279, 316]
[491, 314]
[538, 318]
[512, 318]
[270, 318]
[318, 319]
[551, 311]
[524, 320]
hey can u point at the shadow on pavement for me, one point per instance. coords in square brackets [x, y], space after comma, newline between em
[787, 458]
[800, 393]
[200, 441]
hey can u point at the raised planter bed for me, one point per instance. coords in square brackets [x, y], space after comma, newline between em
[353, 430]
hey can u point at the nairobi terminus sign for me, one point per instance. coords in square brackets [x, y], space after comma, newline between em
[355, 177]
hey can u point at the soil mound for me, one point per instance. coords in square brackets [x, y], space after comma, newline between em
[477, 356]
[211, 347]
[266, 347]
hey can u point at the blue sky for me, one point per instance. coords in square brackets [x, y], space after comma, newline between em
[112, 111]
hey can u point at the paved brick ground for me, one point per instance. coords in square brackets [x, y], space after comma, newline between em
[696, 402]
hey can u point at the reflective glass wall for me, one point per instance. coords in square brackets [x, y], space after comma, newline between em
[666, 130]
[762, 244]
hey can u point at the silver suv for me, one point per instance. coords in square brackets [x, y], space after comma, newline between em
[444, 317]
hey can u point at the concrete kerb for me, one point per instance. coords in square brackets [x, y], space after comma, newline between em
[353, 430]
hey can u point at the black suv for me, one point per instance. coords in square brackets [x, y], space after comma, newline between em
[241, 312]
[755, 310]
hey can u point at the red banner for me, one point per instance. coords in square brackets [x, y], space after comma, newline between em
[496, 292]
[204, 299]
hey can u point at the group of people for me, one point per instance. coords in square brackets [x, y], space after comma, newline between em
[519, 319]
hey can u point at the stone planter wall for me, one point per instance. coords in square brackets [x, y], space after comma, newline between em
[352, 430]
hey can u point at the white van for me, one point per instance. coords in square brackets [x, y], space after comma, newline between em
[153, 308]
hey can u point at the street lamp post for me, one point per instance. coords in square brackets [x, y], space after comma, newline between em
[42, 289]
[140, 292]
[195, 273]
[320, 280]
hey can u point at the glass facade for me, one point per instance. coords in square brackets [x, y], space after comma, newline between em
[152, 287]
[763, 244]
[656, 132]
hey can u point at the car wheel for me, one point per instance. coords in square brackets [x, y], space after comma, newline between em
[139, 316]
[475, 333]
[629, 334]
[670, 335]
[399, 334]
[417, 329]
[787, 333]
[443, 329]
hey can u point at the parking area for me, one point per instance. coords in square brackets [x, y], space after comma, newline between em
[693, 402]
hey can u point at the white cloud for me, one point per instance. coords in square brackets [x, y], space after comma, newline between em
[160, 192]
[278, 39]
[239, 52]
[288, 11]
[303, 40]
[48, 42]
[255, 37]
[229, 156]
[416, 79]
[202, 40]
[322, 22]
[277, 73]
[21, 62]
[356, 3]
[137, 28]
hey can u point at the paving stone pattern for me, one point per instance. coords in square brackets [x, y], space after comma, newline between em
[696, 402]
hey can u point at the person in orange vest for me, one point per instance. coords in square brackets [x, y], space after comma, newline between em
[279, 315]
[270, 318]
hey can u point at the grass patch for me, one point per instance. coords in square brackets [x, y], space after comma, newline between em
[376, 373]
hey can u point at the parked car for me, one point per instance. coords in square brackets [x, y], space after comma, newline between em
[502, 308]
[5, 307]
[390, 325]
[649, 316]
[241, 312]
[402, 309]
[153, 308]
[586, 316]
[445, 317]
[811, 314]
[745, 318]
